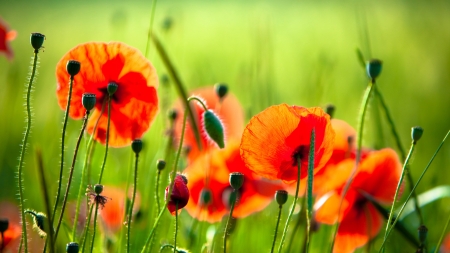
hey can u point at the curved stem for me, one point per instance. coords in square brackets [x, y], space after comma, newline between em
[150, 29]
[95, 226]
[276, 229]
[199, 101]
[106, 142]
[230, 216]
[130, 211]
[24, 239]
[66, 116]
[72, 168]
[286, 226]
[176, 228]
[158, 205]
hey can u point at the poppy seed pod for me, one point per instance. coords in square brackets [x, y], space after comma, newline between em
[214, 128]
[423, 232]
[172, 114]
[281, 197]
[205, 197]
[98, 189]
[72, 247]
[160, 164]
[373, 68]
[73, 67]
[136, 145]
[236, 180]
[88, 100]
[329, 109]
[4, 224]
[37, 40]
[221, 90]
[416, 133]
[112, 88]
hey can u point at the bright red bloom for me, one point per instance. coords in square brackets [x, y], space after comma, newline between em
[229, 111]
[274, 138]
[12, 235]
[254, 195]
[359, 219]
[179, 195]
[134, 105]
[6, 35]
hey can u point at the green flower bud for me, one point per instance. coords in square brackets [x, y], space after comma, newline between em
[160, 164]
[281, 197]
[38, 222]
[416, 133]
[4, 224]
[236, 180]
[373, 68]
[72, 247]
[214, 128]
[98, 189]
[221, 90]
[136, 145]
[205, 197]
[88, 100]
[329, 109]
[112, 88]
[73, 67]
[37, 40]
[172, 114]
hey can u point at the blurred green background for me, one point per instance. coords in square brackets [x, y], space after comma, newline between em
[268, 52]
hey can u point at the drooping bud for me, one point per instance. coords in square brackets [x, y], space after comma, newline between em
[214, 128]
[160, 164]
[98, 189]
[179, 197]
[88, 100]
[172, 114]
[136, 145]
[281, 197]
[4, 224]
[236, 180]
[329, 109]
[37, 40]
[423, 232]
[416, 133]
[73, 67]
[38, 222]
[205, 197]
[221, 90]
[373, 68]
[112, 88]
[72, 247]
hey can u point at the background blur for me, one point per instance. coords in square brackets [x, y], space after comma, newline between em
[268, 52]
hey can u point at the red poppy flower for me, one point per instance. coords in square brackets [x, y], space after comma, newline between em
[179, 195]
[254, 195]
[275, 137]
[134, 105]
[229, 111]
[12, 235]
[6, 35]
[359, 219]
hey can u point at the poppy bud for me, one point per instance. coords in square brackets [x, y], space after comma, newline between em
[136, 145]
[423, 232]
[4, 224]
[37, 39]
[38, 222]
[179, 196]
[205, 197]
[214, 128]
[281, 197]
[221, 90]
[172, 114]
[72, 247]
[88, 100]
[373, 68]
[73, 67]
[160, 164]
[98, 188]
[236, 180]
[329, 109]
[164, 79]
[416, 133]
[112, 88]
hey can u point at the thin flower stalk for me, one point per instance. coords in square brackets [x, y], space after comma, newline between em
[176, 228]
[230, 216]
[280, 207]
[130, 209]
[310, 189]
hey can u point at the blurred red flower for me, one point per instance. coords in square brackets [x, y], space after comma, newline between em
[6, 35]
[134, 105]
[255, 194]
[12, 235]
[360, 221]
[179, 196]
[276, 136]
[229, 111]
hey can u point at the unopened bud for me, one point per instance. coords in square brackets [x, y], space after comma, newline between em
[136, 145]
[281, 197]
[416, 133]
[72, 247]
[160, 164]
[221, 90]
[37, 40]
[214, 128]
[373, 68]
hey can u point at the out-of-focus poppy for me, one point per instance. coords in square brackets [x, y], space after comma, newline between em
[359, 219]
[277, 136]
[179, 197]
[254, 195]
[445, 247]
[6, 35]
[229, 111]
[11, 237]
[135, 103]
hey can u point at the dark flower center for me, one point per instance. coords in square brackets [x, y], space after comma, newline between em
[301, 152]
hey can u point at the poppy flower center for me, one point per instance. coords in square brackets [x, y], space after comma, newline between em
[105, 95]
[301, 152]
[360, 202]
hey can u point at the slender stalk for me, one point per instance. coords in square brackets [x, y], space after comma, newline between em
[127, 204]
[310, 187]
[63, 136]
[158, 205]
[230, 216]
[176, 228]
[293, 205]
[106, 142]
[130, 210]
[41, 174]
[72, 168]
[86, 227]
[400, 181]
[24, 238]
[297, 225]
[276, 228]
[438, 246]
[414, 188]
[95, 227]
[150, 29]
[362, 115]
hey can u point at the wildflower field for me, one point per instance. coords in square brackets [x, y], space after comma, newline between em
[224, 126]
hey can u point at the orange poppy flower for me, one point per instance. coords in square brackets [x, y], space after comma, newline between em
[445, 247]
[134, 105]
[229, 111]
[360, 221]
[275, 137]
[255, 194]
[11, 237]
[6, 35]
[179, 197]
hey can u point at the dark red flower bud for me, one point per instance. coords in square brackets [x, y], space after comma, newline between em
[179, 195]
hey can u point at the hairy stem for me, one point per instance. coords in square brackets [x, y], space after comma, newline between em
[130, 210]
[276, 228]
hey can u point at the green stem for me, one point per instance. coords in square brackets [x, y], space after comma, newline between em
[86, 227]
[310, 187]
[400, 181]
[106, 143]
[230, 216]
[276, 228]
[297, 225]
[362, 115]
[24, 239]
[127, 187]
[176, 228]
[293, 205]
[95, 227]
[442, 235]
[414, 188]
[66, 117]
[158, 205]
[72, 168]
[130, 210]
[150, 30]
